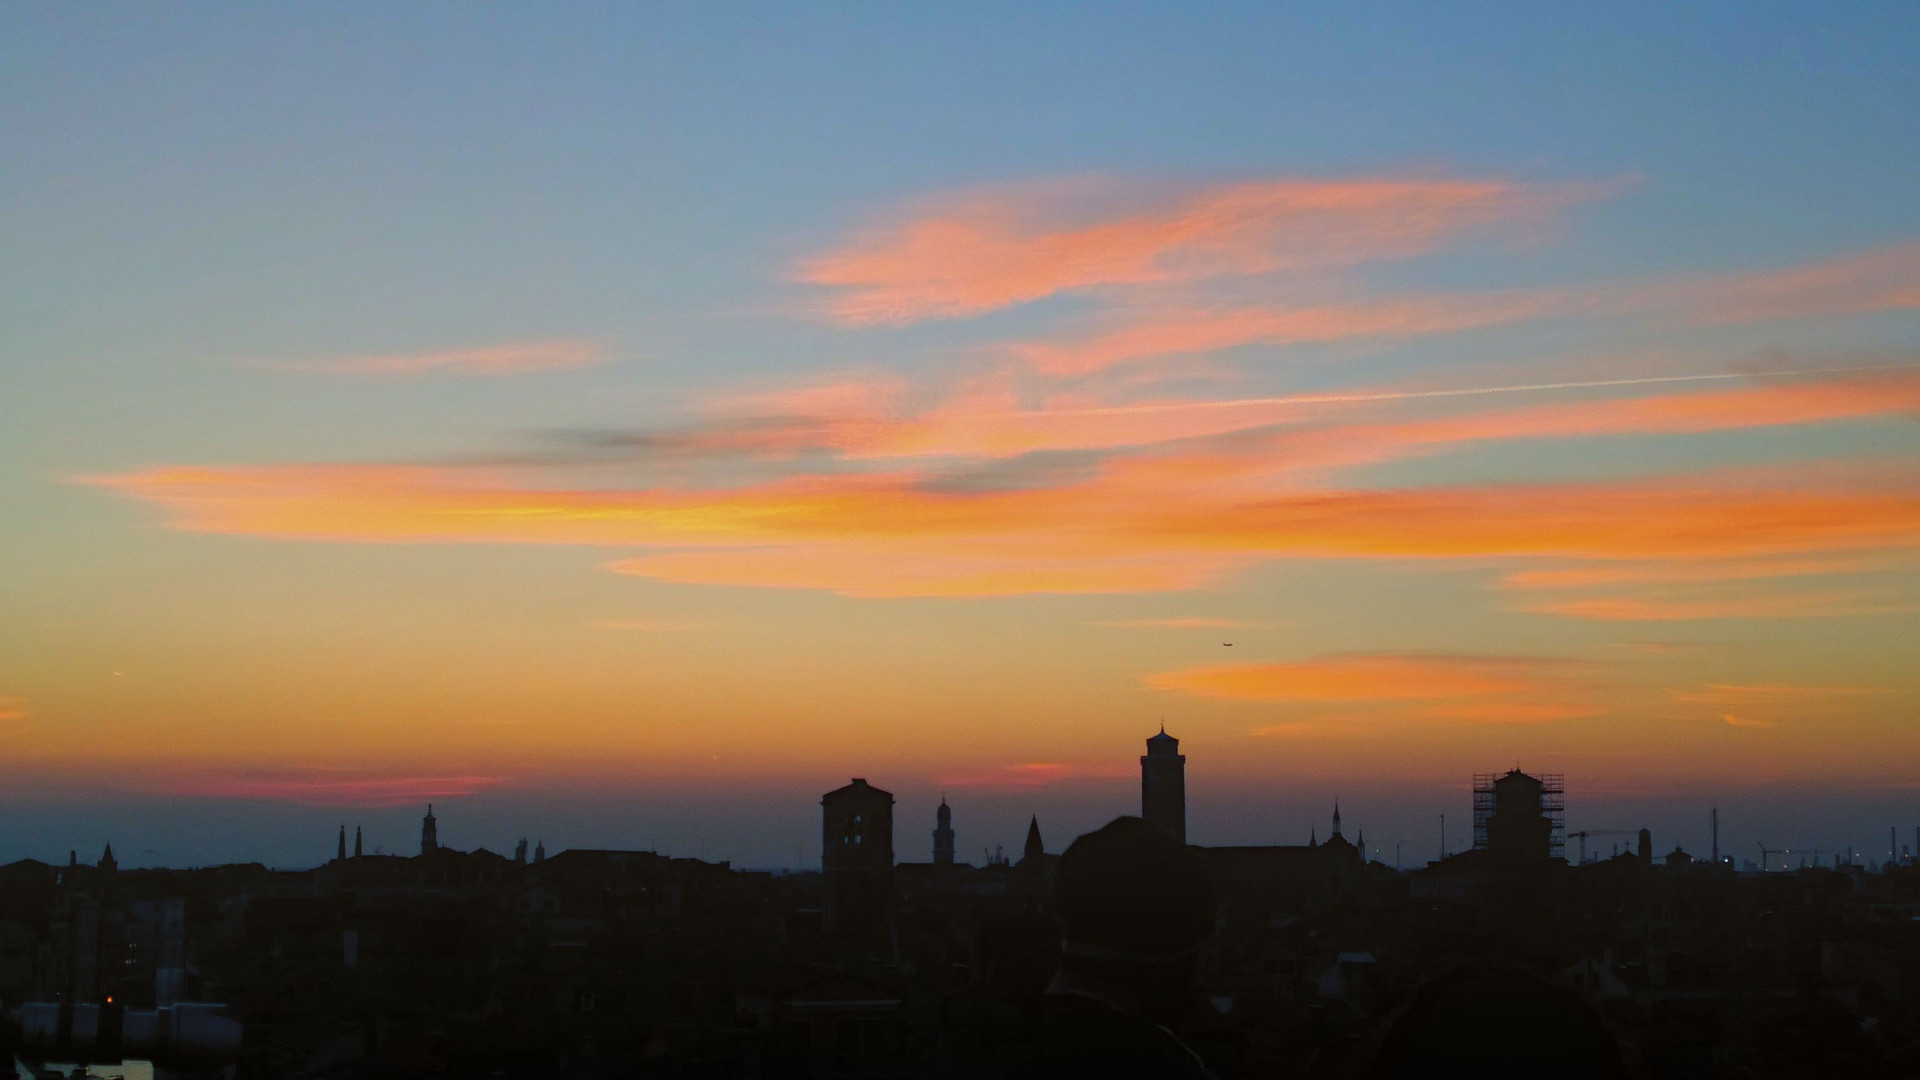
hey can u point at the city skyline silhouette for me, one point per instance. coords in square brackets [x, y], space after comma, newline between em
[1227, 540]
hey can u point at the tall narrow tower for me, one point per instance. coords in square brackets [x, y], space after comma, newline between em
[343, 843]
[943, 835]
[429, 831]
[856, 858]
[1163, 784]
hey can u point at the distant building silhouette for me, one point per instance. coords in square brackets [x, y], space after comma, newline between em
[943, 835]
[1516, 817]
[107, 861]
[1163, 784]
[357, 849]
[429, 832]
[856, 857]
[342, 852]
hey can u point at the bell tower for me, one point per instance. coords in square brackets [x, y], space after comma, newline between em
[943, 835]
[429, 832]
[1163, 784]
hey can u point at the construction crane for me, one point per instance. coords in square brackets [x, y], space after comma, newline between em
[1584, 833]
[1814, 852]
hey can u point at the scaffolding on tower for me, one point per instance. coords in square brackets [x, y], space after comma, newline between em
[1553, 804]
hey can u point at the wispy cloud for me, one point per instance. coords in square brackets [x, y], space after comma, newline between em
[1398, 688]
[12, 708]
[1134, 524]
[1883, 279]
[326, 788]
[652, 626]
[1193, 623]
[1030, 774]
[516, 358]
[978, 251]
[1766, 705]
[1742, 695]
[1770, 606]
[1365, 677]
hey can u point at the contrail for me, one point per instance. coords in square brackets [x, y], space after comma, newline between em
[1408, 395]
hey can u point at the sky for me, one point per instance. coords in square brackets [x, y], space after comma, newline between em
[619, 424]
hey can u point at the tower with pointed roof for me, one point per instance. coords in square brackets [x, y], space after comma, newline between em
[357, 848]
[943, 835]
[1163, 784]
[429, 832]
[1036, 850]
[341, 851]
[1336, 817]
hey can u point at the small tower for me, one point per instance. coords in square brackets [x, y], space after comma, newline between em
[341, 852]
[1336, 819]
[943, 835]
[107, 862]
[357, 848]
[1163, 784]
[429, 832]
[520, 852]
[540, 852]
[1036, 851]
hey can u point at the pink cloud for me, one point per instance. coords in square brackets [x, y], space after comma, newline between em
[963, 255]
[512, 359]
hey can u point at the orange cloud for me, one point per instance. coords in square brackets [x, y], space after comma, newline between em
[512, 359]
[987, 417]
[1358, 678]
[1786, 606]
[974, 253]
[1136, 523]
[1747, 721]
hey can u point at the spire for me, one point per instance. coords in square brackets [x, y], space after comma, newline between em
[1313, 838]
[1362, 845]
[106, 859]
[1336, 817]
[356, 842]
[429, 832]
[1035, 848]
[341, 851]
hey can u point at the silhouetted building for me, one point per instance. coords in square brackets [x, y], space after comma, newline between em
[429, 832]
[943, 835]
[856, 857]
[1163, 785]
[1646, 847]
[107, 861]
[1516, 817]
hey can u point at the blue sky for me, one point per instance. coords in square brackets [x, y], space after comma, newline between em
[203, 204]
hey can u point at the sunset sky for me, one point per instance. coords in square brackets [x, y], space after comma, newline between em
[619, 424]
